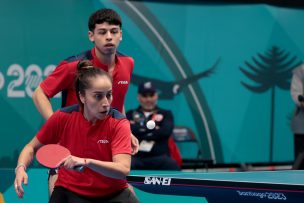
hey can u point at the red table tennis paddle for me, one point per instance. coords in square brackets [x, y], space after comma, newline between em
[51, 156]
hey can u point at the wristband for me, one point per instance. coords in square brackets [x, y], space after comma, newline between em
[85, 162]
[20, 165]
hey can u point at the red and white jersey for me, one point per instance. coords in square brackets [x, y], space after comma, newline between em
[99, 141]
[62, 78]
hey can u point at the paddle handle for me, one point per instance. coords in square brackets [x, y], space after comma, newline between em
[79, 168]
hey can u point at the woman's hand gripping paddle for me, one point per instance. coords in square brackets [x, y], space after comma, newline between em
[52, 155]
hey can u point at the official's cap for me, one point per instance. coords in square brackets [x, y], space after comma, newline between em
[146, 87]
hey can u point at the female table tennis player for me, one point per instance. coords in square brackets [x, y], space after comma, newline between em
[98, 138]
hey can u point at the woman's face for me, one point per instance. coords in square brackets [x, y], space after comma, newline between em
[97, 99]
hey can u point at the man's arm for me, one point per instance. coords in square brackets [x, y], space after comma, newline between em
[136, 128]
[296, 87]
[163, 129]
[134, 140]
[42, 103]
[123, 110]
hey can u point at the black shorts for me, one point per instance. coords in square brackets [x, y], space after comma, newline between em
[52, 172]
[63, 195]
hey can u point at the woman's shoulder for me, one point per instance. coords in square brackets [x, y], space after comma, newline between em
[115, 114]
[70, 109]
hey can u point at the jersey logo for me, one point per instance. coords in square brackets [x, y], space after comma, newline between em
[123, 82]
[102, 141]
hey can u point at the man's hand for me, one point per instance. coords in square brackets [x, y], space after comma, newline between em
[134, 144]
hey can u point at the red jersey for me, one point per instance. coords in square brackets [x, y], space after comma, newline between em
[62, 78]
[100, 141]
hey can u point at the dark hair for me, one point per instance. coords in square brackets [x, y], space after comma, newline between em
[104, 15]
[85, 72]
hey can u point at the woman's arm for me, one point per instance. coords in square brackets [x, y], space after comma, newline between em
[119, 168]
[25, 158]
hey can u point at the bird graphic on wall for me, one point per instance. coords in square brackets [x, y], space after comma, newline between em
[168, 89]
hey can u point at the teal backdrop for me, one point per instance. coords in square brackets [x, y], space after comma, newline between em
[216, 66]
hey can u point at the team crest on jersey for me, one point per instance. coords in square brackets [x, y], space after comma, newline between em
[159, 117]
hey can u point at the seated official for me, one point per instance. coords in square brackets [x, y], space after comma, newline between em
[153, 148]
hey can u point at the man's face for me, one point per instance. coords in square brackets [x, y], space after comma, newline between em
[148, 101]
[97, 99]
[106, 38]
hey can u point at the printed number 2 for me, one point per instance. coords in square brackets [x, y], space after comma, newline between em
[32, 78]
